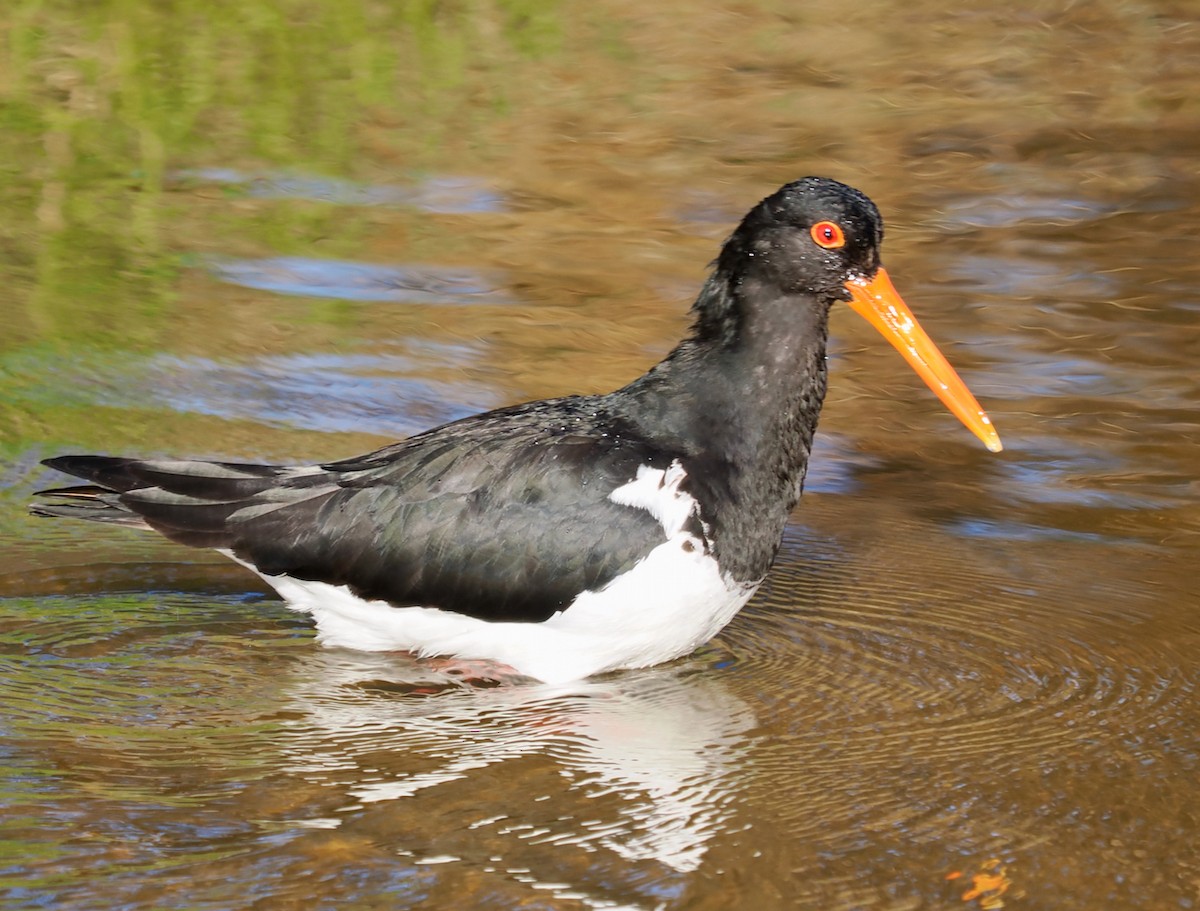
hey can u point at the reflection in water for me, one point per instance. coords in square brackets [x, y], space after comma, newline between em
[387, 395]
[1009, 210]
[216, 723]
[667, 743]
[444, 195]
[391, 394]
[361, 281]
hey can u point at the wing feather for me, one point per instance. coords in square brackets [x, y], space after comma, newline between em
[504, 516]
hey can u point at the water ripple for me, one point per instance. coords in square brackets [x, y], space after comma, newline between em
[389, 394]
[1010, 209]
[324, 392]
[442, 195]
[341, 280]
[965, 677]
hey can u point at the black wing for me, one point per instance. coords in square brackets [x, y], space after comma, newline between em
[503, 516]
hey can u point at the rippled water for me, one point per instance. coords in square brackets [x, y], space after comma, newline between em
[970, 680]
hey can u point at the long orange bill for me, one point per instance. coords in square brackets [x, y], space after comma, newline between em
[880, 305]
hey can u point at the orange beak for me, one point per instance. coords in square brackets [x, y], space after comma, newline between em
[879, 304]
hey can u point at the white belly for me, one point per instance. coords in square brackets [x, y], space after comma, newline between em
[668, 604]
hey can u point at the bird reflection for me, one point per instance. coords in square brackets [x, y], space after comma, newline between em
[644, 764]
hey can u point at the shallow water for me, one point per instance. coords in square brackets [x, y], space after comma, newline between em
[970, 681]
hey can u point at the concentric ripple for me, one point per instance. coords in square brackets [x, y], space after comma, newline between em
[898, 700]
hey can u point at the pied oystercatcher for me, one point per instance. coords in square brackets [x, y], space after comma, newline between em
[575, 535]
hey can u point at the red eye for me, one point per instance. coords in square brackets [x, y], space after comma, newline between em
[828, 235]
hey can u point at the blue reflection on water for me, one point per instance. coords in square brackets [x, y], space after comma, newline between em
[441, 195]
[297, 275]
[330, 393]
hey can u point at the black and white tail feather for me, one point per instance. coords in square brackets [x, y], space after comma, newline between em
[189, 502]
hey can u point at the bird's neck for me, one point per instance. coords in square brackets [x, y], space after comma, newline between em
[741, 396]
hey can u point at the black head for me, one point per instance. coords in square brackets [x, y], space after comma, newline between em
[808, 237]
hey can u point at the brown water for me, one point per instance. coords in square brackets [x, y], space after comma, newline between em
[285, 232]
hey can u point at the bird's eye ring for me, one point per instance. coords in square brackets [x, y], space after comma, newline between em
[828, 235]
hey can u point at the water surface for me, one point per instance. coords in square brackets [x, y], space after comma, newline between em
[281, 232]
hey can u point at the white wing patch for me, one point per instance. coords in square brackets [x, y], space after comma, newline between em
[656, 490]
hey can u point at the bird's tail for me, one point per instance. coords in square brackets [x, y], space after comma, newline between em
[87, 501]
[190, 502]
